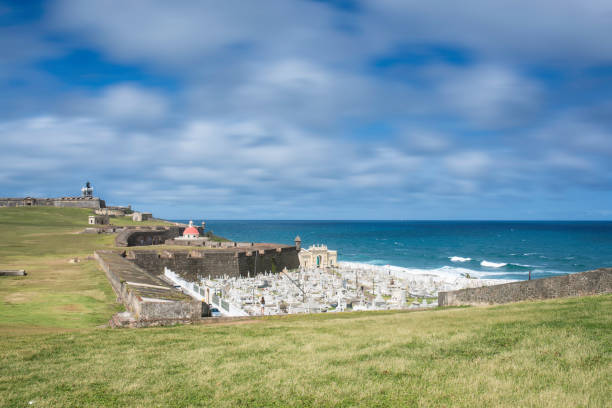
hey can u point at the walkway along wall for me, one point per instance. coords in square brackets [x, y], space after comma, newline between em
[145, 296]
[594, 282]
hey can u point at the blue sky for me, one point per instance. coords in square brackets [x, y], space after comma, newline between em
[278, 109]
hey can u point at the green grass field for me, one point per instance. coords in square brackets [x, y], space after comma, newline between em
[125, 221]
[55, 294]
[534, 354]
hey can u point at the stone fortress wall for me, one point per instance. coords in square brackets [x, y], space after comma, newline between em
[147, 236]
[234, 262]
[588, 283]
[149, 300]
[115, 211]
[206, 242]
[78, 202]
[215, 259]
[85, 200]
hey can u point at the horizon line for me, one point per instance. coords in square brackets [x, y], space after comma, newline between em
[393, 220]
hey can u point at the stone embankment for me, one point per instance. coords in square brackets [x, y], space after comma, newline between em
[588, 283]
[148, 299]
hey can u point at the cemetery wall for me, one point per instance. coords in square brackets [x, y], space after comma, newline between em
[594, 282]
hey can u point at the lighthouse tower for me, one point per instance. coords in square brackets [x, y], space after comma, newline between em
[87, 190]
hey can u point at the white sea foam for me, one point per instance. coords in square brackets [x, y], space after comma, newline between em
[377, 262]
[432, 281]
[492, 264]
[459, 259]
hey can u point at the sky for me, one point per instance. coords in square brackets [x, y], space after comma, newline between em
[286, 109]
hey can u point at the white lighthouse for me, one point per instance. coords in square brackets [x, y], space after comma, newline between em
[87, 190]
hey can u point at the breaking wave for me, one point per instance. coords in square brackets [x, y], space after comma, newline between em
[378, 262]
[487, 264]
[493, 264]
[459, 259]
[447, 272]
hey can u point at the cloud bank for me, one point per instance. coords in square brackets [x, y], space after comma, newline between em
[312, 109]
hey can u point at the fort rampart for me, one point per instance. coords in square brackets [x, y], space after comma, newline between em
[196, 264]
[78, 202]
[146, 236]
[145, 296]
[594, 282]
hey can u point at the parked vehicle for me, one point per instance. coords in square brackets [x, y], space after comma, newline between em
[214, 312]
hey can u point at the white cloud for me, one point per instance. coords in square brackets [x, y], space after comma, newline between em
[491, 96]
[468, 163]
[510, 30]
[574, 131]
[265, 166]
[131, 103]
[182, 33]
[568, 161]
[282, 105]
[425, 140]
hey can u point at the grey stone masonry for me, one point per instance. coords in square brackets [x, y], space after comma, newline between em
[594, 282]
[196, 264]
[145, 296]
[133, 236]
[78, 202]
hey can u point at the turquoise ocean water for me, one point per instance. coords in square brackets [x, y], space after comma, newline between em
[496, 249]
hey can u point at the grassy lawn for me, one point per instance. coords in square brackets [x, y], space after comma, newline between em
[127, 221]
[554, 354]
[56, 293]
[534, 354]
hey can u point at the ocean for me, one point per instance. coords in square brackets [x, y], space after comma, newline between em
[486, 249]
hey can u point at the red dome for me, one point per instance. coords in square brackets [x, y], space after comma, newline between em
[191, 231]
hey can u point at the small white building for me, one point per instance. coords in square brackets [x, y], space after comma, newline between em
[318, 256]
[141, 216]
[98, 220]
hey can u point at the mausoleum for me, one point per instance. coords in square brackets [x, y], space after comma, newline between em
[318, 256]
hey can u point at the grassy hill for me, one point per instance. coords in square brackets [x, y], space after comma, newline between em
[554, 353]
[56, 293]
